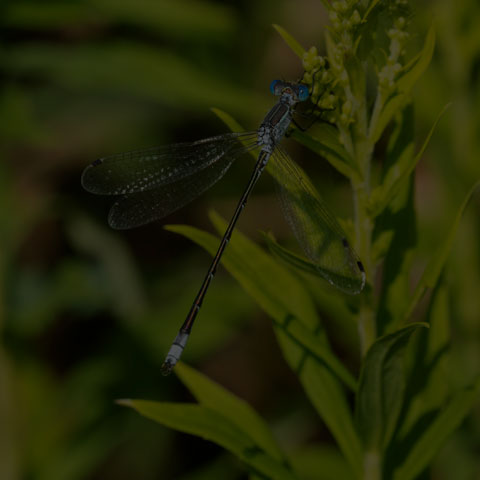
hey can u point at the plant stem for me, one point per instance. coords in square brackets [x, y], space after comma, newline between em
[377, 108]
[363, 229]
[372, 467]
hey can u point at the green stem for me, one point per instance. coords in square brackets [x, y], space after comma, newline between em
[372, 467]
[377, 108]
[367, 329]
[363, 230]
[363, 226]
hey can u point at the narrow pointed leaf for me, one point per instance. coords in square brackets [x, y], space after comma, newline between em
[323, 140]
[263, 278]
[381, 388]
[372, 5]
[294, 329]
[211, 425]
[398, 175]
[428, 369]
[144, 79]
[447, 421]
[290, 41]
[327, 397]
[435, 266]
[398, 222]
[396, 288]
[214, 396]
[413, 70]
[228, 120]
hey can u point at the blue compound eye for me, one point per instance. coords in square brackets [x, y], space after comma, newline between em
[303, 93]
[273, 85]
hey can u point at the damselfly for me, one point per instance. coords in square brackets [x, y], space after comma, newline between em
[154, 182]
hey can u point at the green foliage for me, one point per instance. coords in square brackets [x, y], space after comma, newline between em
[445, 422]
[433, 270]
[86, 314]
[267, 281]
[211, 425]
[381, 388]
[390, 437]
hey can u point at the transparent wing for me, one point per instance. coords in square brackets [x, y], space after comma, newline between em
[138, 208]
[316, 229]
[147, 169]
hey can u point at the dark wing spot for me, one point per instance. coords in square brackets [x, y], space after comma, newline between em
[97, 162]
[345, 243]
[360, 266]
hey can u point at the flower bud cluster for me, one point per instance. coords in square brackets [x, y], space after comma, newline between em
[345, 17]
[398, 37]
[318, 76]
[329, 78]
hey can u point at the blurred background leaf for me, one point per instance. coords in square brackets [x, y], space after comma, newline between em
[87, 314]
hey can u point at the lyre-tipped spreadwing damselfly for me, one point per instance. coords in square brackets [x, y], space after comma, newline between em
[154, 182]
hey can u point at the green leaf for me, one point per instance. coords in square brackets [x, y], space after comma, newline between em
[267, 281]
[328, 399]
[415, 68]
[398, 174]
[446, 422]
[301, 263]
[154, 73]
[294, 329]
[396, 288]
[398, 224]
[428, 386]
[214, 396]
[290, 41]
[229, 121]
[435, 266]
[291, 326]
[263, 278]
[380, 393]
[372, 5]
[404, 84]
[205, 19]
[206, 423]
[322, 138]
[435, 348]
[313, 346]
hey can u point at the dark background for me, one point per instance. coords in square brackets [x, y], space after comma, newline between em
[87, 314]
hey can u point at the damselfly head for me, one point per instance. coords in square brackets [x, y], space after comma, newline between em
[298, 91]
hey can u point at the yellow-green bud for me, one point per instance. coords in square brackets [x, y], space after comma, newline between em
[355, 18]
